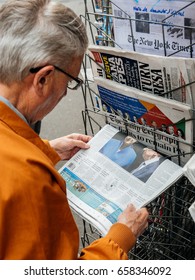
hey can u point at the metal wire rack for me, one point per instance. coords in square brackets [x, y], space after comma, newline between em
[171, 231]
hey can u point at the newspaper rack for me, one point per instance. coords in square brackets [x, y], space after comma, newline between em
[171, 231]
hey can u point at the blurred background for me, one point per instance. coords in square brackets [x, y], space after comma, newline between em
[66, 117]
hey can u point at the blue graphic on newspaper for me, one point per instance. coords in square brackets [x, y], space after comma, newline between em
[89, 196]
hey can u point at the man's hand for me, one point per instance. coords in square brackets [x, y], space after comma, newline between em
[136, 220]
[69, 145]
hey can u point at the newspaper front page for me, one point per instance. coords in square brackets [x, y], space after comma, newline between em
[163, 76]
[104, 179]
[160, 27]
[166, 126]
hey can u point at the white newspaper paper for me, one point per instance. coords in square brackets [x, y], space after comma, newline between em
[189, 172]
[157, 27]
[192, 211]
[162, 124]
[100, 181]
[154, 74]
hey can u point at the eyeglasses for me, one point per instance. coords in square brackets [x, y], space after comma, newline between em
[74, 84]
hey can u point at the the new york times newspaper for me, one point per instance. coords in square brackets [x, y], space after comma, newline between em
[115, 171]
[156, 27]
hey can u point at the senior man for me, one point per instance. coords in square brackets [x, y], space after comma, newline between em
[42, 44]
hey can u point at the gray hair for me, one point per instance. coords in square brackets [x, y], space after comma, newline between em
[36, 33]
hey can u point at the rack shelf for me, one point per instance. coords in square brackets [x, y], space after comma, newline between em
[171, 231]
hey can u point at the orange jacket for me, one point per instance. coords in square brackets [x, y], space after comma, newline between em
[35, 219]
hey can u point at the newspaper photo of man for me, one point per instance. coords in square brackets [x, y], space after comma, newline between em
[189, 33]
[152, 160]
[141, 24]
[121, 151]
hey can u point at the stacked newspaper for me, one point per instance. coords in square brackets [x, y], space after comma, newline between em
[147, 97]
[162, 124]
[163, 76]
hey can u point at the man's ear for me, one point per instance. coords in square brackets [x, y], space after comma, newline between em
[43, 79]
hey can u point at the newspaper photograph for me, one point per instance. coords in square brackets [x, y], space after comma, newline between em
[159, 27]
[115, 171]
[164, 126]
[164, 76]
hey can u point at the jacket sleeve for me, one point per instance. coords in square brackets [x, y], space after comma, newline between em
[114, 246]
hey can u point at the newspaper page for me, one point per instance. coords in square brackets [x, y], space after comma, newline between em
[165, 126]
[164, 76]
[161, 27]
[104, 179]
[189, 172]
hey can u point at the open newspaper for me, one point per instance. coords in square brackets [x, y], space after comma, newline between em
[115, 171]
[164, 126]
[158, 27]
[164, 76]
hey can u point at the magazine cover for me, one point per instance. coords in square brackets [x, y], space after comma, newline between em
[156, 27]
[165, 126]
[164, 76]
